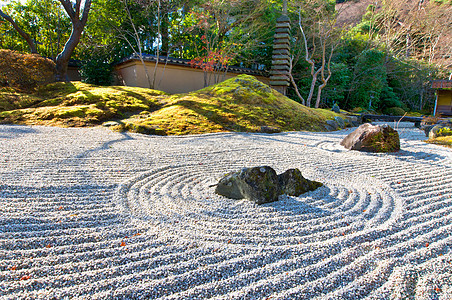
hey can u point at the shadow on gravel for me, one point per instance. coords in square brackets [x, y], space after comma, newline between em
[107, 145]
[298, 206]
[11, 131]
[418, 157]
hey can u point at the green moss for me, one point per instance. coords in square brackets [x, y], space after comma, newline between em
[445, 131]
[384, 144]
[442, 140]
[239, 104]
[70, 112]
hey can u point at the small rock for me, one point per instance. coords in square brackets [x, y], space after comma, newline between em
[372, 138]
[110, 123]
[427, 129]
[336, 108]
[340, 122]
[332, 124]
[269, 129]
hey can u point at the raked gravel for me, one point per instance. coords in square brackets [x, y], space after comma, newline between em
[94, 214]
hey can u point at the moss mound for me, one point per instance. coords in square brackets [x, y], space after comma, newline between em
[441, 140]
[239, 104]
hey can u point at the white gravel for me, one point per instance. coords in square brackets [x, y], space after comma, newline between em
[93, 214]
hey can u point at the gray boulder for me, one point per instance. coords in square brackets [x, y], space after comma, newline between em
[427, 129]
[336, 108]
[332, 124]
[292, 183]
[372, 138]
[263, 185]
[340, 122]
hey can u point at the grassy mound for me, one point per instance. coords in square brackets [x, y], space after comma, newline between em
[238, 104]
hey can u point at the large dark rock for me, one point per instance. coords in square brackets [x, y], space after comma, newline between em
[258, 184]
[292, 183]
[372, 138]
[262, 185]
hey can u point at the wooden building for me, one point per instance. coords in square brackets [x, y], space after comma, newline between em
[174, 75]
[443, 104]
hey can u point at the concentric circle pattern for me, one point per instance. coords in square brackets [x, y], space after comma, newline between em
[92, 214]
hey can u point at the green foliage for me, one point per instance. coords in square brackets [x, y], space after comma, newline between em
[97, 69]
[337, 89]
[394, 111]
[387, 99]
[45, 21]
[25, 71]
[370, 78]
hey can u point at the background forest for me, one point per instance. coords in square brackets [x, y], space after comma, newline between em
[363, 55]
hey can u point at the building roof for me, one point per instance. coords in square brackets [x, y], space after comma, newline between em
[186, 63]
[442, 84]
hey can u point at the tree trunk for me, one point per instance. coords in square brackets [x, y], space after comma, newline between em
[78, 24]
[19, 30]
[62, 59]
[311, 90]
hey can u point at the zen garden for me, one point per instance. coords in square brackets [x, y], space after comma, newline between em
[255, 149]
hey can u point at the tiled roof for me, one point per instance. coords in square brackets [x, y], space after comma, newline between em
[442, 84]
[186, 63]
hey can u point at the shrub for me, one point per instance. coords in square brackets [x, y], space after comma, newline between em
[97, 69]
[430, 120]
[394, 111]
[25, 71]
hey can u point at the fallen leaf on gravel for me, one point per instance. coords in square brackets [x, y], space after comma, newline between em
[123, 244]
[25, 277]
[136, 234]
[438, 290]
[60, 208]
[427, 244]
[13, 268]
[49, 246]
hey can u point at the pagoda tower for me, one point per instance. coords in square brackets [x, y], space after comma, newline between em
[279, 72]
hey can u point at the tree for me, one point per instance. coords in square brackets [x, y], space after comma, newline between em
[318, 47]
[221, 31]
[78, 19]
[369, 79]
[19, 30]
